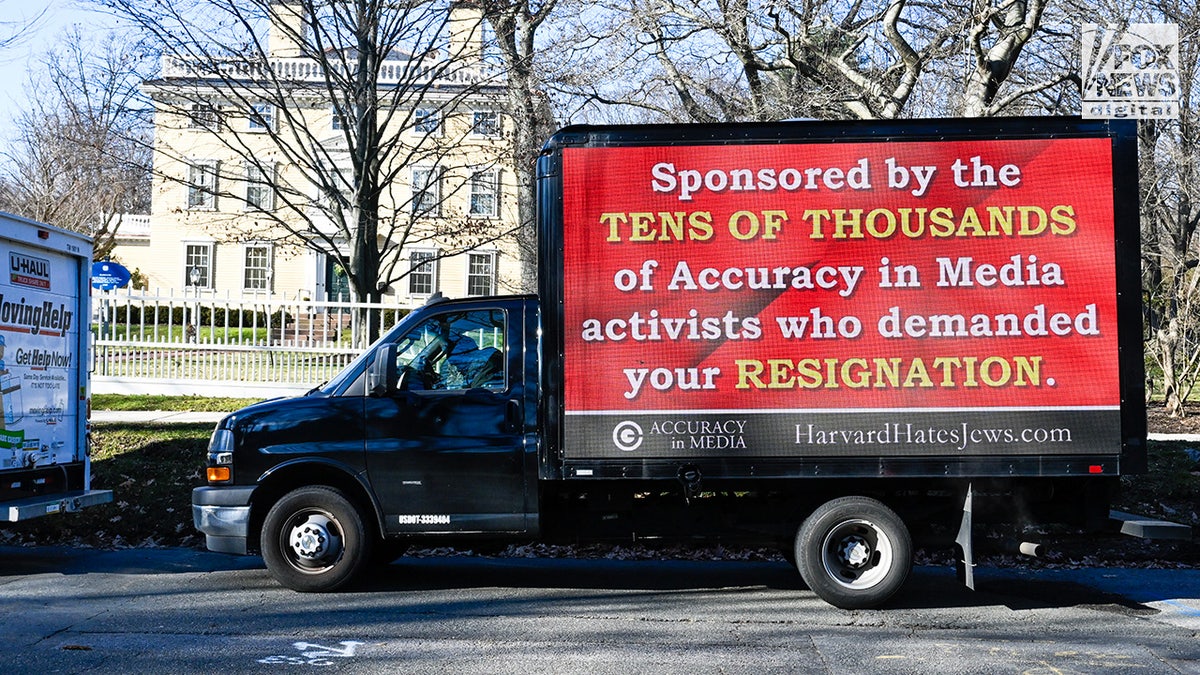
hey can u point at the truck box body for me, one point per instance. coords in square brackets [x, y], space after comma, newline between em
[44, 314]
[920, 298]
[828, 337]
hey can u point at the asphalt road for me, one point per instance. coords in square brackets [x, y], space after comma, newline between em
[184, 611]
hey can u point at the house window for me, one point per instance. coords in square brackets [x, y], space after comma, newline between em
[339, 122]
[483, 194]
[256, 270]
[426, 191]
[260, 195]
[202, 116]
[198, 266]
[481, 273]
[202, 185]
[262, 117]
[422, 275]
[427, 121]
[485, 123]
[333, 183]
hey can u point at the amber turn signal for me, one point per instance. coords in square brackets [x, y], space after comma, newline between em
[219, 474]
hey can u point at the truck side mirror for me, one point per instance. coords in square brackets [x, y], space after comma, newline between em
[381, 376]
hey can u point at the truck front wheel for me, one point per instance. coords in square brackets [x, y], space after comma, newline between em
[314, 539]
[854, 552]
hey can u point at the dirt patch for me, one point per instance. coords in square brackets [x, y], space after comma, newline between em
[1158, 422]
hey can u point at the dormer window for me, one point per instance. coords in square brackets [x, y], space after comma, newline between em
[485, 123]
[427, 121]
[262, 117]
[202, 116]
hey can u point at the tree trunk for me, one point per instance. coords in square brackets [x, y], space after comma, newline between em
[1167, 342]
[1015, 23]
[515, 27]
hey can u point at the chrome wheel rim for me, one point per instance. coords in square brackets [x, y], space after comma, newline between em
[857, 554]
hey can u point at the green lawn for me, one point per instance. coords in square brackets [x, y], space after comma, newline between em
[169, 403]
[151, 471]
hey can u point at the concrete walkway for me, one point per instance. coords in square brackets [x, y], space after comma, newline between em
[155, 417]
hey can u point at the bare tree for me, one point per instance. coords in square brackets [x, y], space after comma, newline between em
[870, 56]
[13, 33]
[1023, 57]
[346, 100]
[712, 61]
[82, 157]
[515, 26]
[596, 70]
[1170, 186]
[754, 60]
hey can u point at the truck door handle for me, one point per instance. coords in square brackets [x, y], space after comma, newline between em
[512, 416]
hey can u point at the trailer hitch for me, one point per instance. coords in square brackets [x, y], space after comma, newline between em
[689, 476]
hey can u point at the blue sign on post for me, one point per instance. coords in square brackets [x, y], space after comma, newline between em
[109, 275]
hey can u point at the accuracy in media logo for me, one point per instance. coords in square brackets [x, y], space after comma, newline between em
[628, 436]
[1130, 72]
[689, 434]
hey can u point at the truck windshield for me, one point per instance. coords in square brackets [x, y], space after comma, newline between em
[354, 368]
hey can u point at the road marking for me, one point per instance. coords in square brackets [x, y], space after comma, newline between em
[1183, 609]
[312, 654]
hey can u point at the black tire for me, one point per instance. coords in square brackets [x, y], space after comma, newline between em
[314, 540]
[854, 552]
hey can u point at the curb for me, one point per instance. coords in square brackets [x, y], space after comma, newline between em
[1186, 438]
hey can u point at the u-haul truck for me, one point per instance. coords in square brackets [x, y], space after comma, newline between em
[44, 303]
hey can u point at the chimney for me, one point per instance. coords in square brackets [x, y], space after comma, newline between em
[466, 31]
[289, 28]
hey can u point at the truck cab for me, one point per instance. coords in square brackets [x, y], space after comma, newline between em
[432, 431]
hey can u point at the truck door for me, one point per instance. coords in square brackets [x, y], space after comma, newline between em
[445, 451]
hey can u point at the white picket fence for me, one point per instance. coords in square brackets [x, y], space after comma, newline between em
[253, 346]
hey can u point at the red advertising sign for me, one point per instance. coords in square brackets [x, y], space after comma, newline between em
[900, 276]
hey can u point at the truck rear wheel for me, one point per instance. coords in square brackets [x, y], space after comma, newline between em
[314, 539]
[854, 552]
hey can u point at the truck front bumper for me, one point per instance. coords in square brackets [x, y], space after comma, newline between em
[223, 515]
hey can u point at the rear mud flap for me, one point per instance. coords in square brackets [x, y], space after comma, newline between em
[963, 542]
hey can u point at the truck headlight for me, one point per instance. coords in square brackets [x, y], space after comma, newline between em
[219, 467]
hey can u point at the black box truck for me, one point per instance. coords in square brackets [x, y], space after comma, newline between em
[831, 337]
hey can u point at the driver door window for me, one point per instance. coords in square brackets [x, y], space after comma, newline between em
[454, 351]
